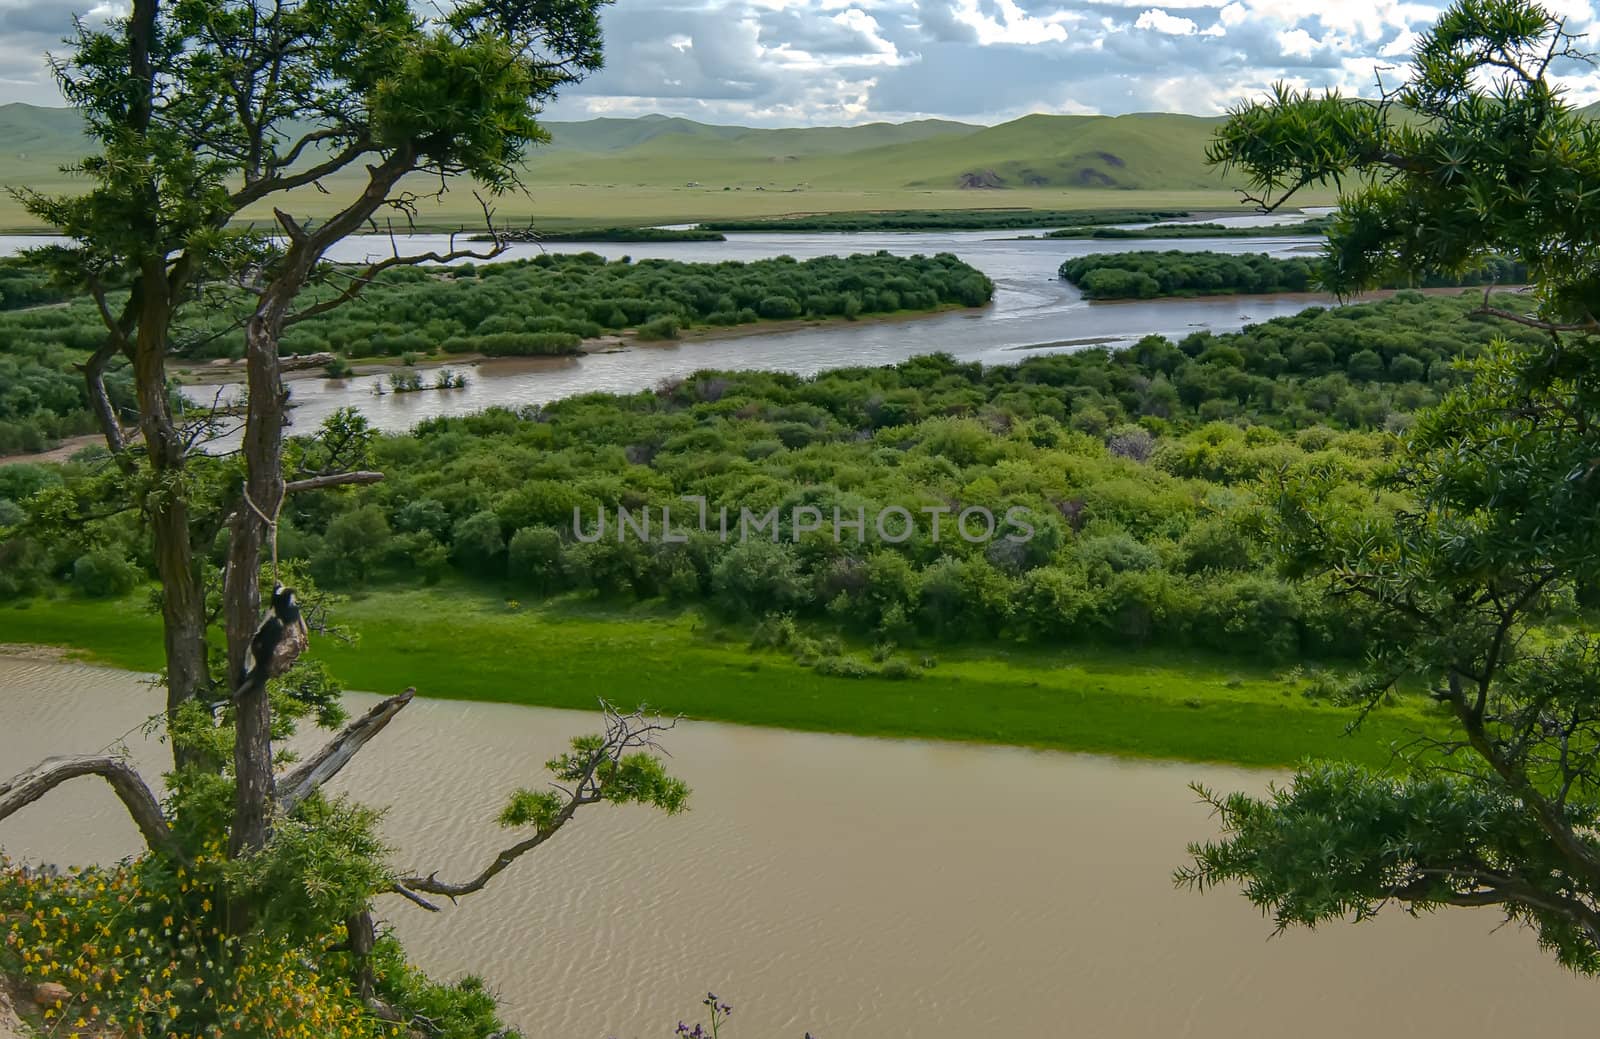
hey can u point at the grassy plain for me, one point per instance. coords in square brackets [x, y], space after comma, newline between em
[461, 641]
[557, 206]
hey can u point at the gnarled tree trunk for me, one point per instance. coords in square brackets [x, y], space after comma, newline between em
[264, 490]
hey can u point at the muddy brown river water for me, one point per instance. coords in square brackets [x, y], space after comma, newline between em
[850, 887]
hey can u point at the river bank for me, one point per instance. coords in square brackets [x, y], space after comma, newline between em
[1137, 703]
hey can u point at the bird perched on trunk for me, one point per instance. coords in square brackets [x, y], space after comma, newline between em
[278, 642]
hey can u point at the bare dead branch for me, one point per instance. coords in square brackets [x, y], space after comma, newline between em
[326, 763]
[317, 483]
[1590, 325]
[27, 787]
[411, 896]
[291, 227]
[360, 280]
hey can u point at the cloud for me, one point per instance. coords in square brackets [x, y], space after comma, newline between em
[1162, 22]
[778, 62]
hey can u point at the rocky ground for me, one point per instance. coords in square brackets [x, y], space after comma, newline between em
[11, 1026]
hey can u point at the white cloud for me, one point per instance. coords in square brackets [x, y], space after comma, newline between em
[1161, 21]
[1298, 42]
[1002, 21]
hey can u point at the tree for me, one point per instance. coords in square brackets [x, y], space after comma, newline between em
[200, 111]
[1475, 154]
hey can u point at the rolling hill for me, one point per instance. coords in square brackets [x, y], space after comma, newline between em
[1159, 152]
[659, 169]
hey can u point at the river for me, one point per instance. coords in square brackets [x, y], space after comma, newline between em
[853, 887]
[1033, 312]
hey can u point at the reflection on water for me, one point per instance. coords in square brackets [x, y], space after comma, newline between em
[852, 887]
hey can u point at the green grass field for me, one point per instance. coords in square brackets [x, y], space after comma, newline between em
[462, 643]
[557, 206]
[653, 170]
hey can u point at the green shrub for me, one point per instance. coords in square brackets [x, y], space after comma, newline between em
[661, 328]
[477, 545]
[103, 573]
[844, 667]
[534, 558]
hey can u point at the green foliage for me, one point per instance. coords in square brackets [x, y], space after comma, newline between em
[1315, 226]
[540, 307]
[104, 573]
[1147, 529]
[514, 344]
[637, 778]
[477, 542]
[1175, 272]
[1326, 848]
[1474, 587]
[141, 950]
[664, 327]
[322, 866]
[1468, 167]
[462, 1009]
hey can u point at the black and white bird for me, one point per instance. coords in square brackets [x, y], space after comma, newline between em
[278, 642]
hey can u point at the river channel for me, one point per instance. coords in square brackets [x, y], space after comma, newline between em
[855, 888]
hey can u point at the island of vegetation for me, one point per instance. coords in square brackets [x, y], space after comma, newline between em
[1174, 272]
[1313, 227]
[545, 305]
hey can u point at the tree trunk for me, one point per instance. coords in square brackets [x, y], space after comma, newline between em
[363, 936]
[263, 451]
[183, 601]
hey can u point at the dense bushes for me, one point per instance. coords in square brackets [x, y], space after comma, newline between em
[1173, 272]
[1143, 275]
[25, 284]
[1139, 469]
[514, 344]
[539, 305]
[1311, 227]
[543, 306]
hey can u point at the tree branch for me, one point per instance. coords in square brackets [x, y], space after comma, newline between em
[1532, 322]
[359, 282]
[326, 763]
[24, 789]
[624, 733]
[317, 483]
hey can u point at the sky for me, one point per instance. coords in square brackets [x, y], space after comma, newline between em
[830, 62]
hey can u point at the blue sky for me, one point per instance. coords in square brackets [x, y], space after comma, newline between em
[812, 62]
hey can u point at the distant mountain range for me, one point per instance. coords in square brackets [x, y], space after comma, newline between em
[1146, 151]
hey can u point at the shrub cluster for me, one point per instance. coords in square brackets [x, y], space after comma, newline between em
[1174, 272]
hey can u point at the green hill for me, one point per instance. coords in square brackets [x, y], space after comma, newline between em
[28, 130]
[668, 133]
[1152, 152]
[1141, 152]
[661, 169]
